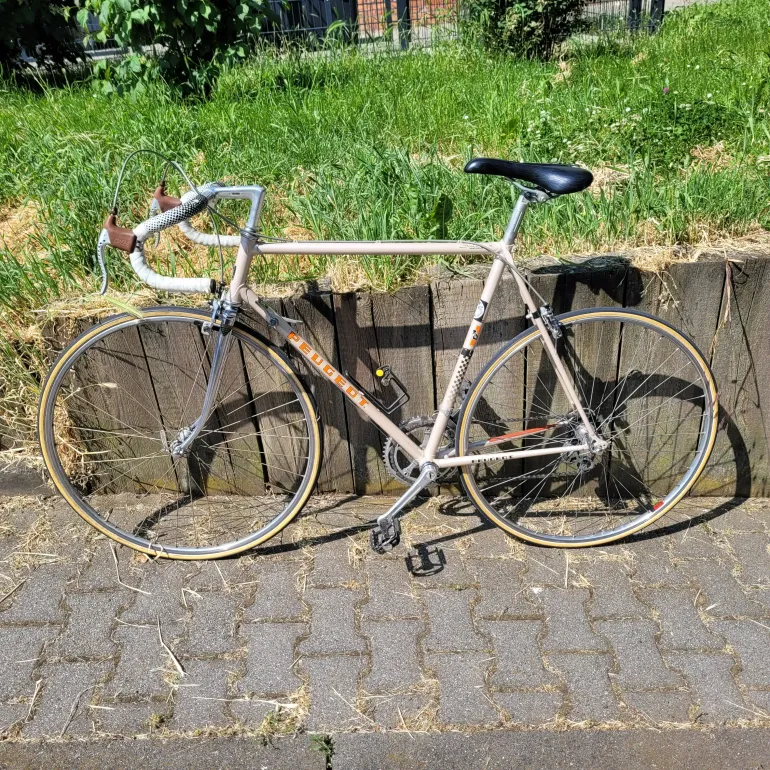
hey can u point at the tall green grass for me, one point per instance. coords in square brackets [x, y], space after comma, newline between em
[355, 146]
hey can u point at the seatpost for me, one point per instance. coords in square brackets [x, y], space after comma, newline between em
[509, 236]
[527, 195]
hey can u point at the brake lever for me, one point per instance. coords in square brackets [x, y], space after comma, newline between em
[101, 244]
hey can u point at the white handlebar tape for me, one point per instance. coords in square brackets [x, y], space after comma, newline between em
[192, 204]
[208, 239]
[167, 282]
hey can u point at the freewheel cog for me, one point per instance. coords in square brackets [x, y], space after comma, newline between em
[399, 465]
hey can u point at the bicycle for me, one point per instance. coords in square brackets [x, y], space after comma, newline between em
[183, 433]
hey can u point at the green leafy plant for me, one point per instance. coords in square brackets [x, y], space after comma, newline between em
[527, 28]
[185, 42]
[42, 29]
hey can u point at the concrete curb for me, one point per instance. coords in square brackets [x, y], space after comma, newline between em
[718, 749]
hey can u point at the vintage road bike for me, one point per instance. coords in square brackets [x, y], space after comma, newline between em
[184, 433]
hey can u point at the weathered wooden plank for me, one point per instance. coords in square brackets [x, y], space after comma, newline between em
[179, 360]
[740, 363]
[687, 295]
[403, 336]
[283, 428]
[238, 425]
[117, 393]
[316, 311]
[357, 341]
[589, 351]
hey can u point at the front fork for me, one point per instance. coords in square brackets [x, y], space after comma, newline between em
[224, 314]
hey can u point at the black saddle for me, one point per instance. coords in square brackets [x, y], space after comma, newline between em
[551, 177]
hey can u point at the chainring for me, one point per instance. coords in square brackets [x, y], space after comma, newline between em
[399, 465]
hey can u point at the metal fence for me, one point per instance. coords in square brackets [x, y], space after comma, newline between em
[392, 22]
[404, 23]
[624, 15]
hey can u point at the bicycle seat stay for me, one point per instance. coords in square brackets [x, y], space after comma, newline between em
[554, 178]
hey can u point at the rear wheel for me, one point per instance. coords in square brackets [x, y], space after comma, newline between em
[647, 392]
[120, 395]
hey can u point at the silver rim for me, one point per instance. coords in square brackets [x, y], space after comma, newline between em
[647, 394]
[124, 396]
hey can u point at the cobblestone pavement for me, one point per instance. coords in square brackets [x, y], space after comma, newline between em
[461, 628]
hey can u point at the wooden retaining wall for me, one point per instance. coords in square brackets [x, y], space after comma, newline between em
[723, 304]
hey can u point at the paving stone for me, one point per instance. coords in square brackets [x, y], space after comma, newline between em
[463, 696]
[489, 543]
[613, 595]
[39, 600]
[641, 666]
[761, 595]
[518, 662]
[332, 622]
[252, 713]
[133, 718]
[331, 565]
[714, 688]
[723, 593]
[529, 708]
[333, 692]
[11, 713]
[738, 520]
[164, 580]
[98, 574]
[694, 543]
[751, 642]
[660, 706]
[679, 619]
[502, 591]
[545, 567]
[759, 699]
[566, 621]
[588, 685]
[139, 672]
[438, 567]
[65, 684]
[390, 590]
[394, 655]
[359, 512]
[20, 650]
[653, 564]
[450, 623]
[752, 552]
[399, 712]
[212, 628]
[277, 596]
[238, 575]
[202, 694]
[87, 634]
[271, 657]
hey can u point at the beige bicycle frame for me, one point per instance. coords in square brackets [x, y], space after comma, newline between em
[240, 293]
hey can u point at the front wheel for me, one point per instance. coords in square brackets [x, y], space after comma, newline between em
[647, 392]
[125, 390]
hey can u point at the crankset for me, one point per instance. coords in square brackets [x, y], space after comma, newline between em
[402, 467]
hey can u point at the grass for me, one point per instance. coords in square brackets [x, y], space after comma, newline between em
[675, 126]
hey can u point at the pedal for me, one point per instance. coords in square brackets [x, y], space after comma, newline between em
[386, 538]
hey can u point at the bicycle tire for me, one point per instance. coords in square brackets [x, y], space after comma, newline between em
[706, 402]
